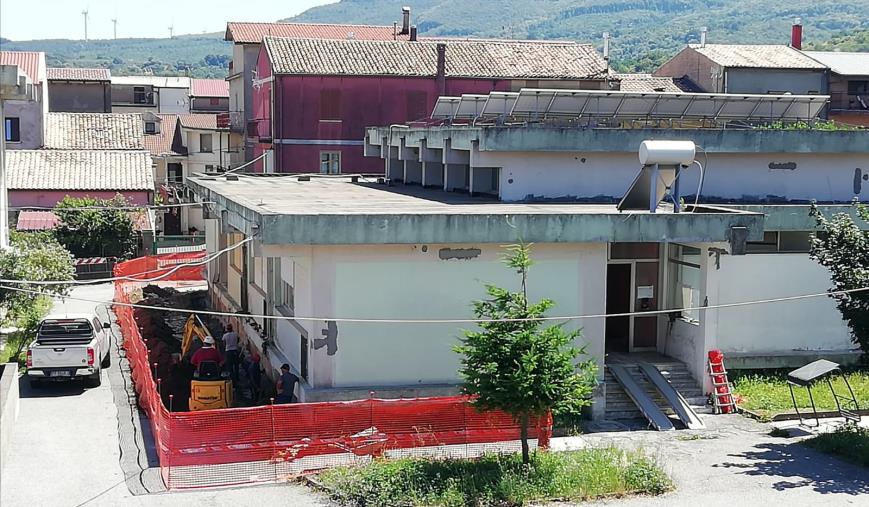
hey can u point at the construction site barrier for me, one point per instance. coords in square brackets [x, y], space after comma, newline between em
[270, 443]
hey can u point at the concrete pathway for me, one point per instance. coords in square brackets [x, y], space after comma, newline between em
[735, 462]
[65, 449]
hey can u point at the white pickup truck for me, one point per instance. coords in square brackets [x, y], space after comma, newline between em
[67, 347]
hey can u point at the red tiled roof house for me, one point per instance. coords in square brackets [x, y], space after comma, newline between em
[313, 98]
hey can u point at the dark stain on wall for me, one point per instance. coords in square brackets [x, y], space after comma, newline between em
[458, 253]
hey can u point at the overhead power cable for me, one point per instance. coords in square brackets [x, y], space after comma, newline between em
[447, 321]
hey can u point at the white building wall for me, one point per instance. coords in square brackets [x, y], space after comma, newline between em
[803, 325]
[770, 176]
[174, 100]
[404, 282]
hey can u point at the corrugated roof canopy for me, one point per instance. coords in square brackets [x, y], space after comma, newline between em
[464, 58]
[30, 63]
[29, 220]
[209, 88]
[843, 63]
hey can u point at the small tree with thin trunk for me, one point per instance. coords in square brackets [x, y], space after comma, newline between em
[518, 364]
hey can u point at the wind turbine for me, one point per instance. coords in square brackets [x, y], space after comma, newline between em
[115, 23]
[171, 31]
[85, 14]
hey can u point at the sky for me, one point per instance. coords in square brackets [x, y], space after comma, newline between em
[63, 19]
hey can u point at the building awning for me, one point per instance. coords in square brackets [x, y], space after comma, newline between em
[29, 220]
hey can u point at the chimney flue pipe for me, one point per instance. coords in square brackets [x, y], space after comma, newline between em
[797, 34]
[405, 21]
[441, 77]
[413, 33]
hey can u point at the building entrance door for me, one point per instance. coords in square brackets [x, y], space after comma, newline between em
[632, 286]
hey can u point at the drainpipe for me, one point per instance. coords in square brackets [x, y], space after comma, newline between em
[441, 76]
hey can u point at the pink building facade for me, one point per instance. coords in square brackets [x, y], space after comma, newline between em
[50, 198]
[308, 113]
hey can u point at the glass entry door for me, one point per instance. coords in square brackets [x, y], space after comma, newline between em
[633, 274]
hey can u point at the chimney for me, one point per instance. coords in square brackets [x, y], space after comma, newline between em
[703, 36]
[405, 21]
[441, 76]
[413, 33]
[797, 34]
[606, 46]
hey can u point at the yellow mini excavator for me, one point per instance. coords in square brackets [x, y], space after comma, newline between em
[210, 388]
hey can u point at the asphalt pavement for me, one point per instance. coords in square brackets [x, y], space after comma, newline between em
[65, 447]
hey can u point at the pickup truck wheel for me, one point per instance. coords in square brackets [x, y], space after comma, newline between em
[36, 383]
[94, 380]
[107, 361]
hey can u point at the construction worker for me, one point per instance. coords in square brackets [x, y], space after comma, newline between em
[207, 353]
[286, 385]
[230, 344]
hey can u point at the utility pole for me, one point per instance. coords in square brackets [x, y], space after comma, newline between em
[115, 30]
[85, 14]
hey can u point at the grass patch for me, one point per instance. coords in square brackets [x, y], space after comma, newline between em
[849, 442]
[767, 393]
[497, 480]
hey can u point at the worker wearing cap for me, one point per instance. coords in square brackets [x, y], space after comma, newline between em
[286, 386]
[207, 353]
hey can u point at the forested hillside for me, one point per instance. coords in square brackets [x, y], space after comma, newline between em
[644, 32]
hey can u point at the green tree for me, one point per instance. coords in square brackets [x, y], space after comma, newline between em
[843, 248]
[34, 257]
[106, 231]
[520, 366]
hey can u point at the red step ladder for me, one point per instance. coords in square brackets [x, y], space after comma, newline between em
[723, 401]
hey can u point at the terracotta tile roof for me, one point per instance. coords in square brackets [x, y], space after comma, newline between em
[70, 74]
[31, 63]
[209, 88]
[253, 33]
[464, 58]
[843, 63]
[79, 170]
[29, 220]
[93, 131]
[199, 121]
[646, 83]
[164, 143]
[765, 56]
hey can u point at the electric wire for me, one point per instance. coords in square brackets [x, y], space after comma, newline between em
[447, 321]
[133, 277]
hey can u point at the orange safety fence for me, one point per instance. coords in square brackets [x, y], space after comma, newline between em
[269, 443]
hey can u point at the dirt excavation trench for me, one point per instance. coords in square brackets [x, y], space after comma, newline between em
[163, 330]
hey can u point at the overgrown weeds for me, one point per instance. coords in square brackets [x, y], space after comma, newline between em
[498, 480]
[849, 442]
[767, 393]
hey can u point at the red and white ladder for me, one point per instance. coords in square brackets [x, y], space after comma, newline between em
[723, 401]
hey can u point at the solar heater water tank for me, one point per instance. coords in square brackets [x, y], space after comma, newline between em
[667, 153]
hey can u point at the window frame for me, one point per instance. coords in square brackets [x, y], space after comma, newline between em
[333, 161]
[236, 255]
[675, 263]
[203, 136]
[12, 124]
[153, 129]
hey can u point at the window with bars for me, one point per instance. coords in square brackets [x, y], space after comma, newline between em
[330, 162]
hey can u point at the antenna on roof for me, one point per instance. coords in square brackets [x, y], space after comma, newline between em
[85, 14]
[115, 27]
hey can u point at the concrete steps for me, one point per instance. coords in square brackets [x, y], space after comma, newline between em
[620, 407]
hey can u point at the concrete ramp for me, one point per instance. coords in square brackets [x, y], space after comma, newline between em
[644, 402]
[680, 406]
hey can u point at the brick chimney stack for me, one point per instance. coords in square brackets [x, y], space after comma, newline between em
[797, 34]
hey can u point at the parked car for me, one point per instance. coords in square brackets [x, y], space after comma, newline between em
[68, 347]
